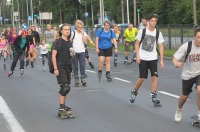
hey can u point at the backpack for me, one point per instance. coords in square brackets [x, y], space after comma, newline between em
[157, 36]
[50, 62]
[188, 50]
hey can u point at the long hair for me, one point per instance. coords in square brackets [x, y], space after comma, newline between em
[61, 28]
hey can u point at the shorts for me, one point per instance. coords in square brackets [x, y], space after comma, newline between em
[128, 45]
[105, 52]
[64, 76]
[187, 85]
[145, 65]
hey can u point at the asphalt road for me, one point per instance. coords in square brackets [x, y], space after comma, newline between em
[29, 103]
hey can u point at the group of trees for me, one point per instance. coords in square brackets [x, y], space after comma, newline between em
[169, 11]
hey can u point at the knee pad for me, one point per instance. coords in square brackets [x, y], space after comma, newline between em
[86, 54]
[64, 89]
[31, 54]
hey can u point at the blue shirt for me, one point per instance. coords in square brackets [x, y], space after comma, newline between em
[23, 43]
[105, 38]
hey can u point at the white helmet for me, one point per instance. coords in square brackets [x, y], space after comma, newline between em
[60, 26]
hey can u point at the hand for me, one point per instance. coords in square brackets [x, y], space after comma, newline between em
[56, 72]
[138, 60]
[97, 51]
[116, 50]
[161, 64]
[91, 42]
[178, 64]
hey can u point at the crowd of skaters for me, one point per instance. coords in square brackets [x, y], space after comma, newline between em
[69, 43]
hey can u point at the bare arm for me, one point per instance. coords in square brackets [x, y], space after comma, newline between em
[177, 63]
[97, 44]
[137, 46]
[54, 53]
[161, 47]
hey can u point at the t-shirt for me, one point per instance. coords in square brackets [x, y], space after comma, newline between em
[147, 50]
[130, 35]
[191, 66]
[63, 53]
[49, 34]
[43, 49]
[105, 38]
[78, 43]
[23, 43]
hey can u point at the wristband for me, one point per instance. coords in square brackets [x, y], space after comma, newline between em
[55, 69]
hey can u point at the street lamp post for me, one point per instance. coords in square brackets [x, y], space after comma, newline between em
[194, 12]
[13, 18]
[128, 20]
[32, 10]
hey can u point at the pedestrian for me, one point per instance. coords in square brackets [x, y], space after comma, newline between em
[8, 37]
[104, 38]
[44, 53]
[79, 39]
[30, 50]
[147, 57]
[56, 32]
[62, 63]
[117, 33]
[87, 56]
[13, 37]
[129, 39]
[3, 49]
[49, 36]
[142, 26]
[190, 71]
[20, 46]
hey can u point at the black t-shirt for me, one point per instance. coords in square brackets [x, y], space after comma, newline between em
[63, 52]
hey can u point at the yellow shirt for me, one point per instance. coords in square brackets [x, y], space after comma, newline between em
[130, 35]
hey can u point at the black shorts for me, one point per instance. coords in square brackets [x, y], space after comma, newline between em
[105, 52]
[144, 66]
[64, 76]
[187, 85]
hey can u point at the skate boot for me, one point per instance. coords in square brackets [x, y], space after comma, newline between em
[32, 65]
[108, 76]
[65, 112]
[21, 72]
[83, 81]
[115, 62]
[131, 61]
[125, 59]
[76, 81]
[99, 75]
[155, 100]
[134, 93]
[4, 66]
[91, 65]
[10, 73]
[27, 63]
[43, 68]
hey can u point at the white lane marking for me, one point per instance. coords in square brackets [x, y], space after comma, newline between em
[169, 94]
[91, 71]
[122, 80]
[10, 118]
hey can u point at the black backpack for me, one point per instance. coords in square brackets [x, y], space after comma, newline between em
[50, 62]
[188, 50]
[157, 36]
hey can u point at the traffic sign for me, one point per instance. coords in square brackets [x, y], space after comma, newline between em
[1, 18]
[29, 17]
[106, 18]
[86, 14]
[138, 10]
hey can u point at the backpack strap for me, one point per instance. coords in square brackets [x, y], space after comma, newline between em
[188, 50]
[73, 36]
[143, 35]
[157, 35]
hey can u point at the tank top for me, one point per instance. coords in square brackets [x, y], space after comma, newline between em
[3, 45]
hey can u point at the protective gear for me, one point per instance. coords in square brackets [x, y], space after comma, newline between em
[86, 54]
[31, 54]
[64, 89]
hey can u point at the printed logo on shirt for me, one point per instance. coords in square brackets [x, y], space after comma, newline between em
[148, 43]
[194, 57]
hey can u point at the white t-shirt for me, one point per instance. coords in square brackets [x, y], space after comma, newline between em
[191, 66]
[78, 43]
[44, 49]
[147, 50]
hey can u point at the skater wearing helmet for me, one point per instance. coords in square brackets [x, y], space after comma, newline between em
[20, 46]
